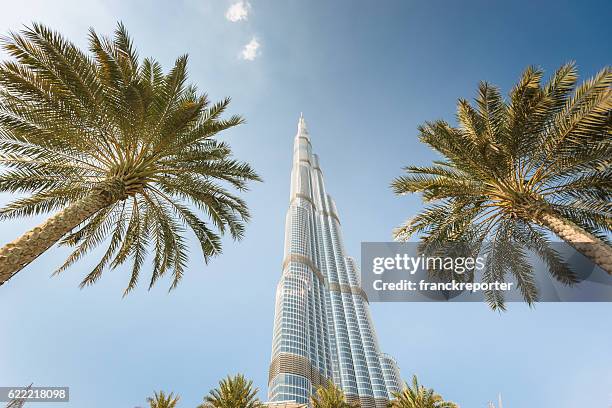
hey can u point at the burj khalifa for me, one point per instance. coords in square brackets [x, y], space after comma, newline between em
[323, 330]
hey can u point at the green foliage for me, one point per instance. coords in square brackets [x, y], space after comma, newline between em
[330, 396]
[73, 122]
[548, 148]
[161, 400]
[18, 402]
[417, 396]
[233, 392]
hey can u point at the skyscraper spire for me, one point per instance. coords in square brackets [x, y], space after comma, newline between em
[322, 327]
[302, 129]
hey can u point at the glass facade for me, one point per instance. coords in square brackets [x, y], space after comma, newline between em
[323, 330]
[391, 374]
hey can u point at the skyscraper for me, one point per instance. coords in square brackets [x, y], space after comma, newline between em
[322, 327]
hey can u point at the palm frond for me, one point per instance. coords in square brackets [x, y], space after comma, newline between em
[545, 150]
[74, 124]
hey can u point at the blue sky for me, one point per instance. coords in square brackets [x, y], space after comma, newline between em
[365, 74]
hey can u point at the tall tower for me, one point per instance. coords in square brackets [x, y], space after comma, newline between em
[323, 330]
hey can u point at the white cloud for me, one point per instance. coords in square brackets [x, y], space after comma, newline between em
[250, 50]
[238, 11]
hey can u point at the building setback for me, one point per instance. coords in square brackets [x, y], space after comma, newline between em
[323, 330]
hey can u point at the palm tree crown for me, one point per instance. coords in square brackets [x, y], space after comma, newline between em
[515, 170]
[161, 400]
[417, 396]
[120, 149]
[330, 396]
[233, 392]
[18, 402]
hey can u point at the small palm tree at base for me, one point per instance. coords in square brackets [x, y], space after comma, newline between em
[118, 150]
[417, 396]
[18, 402]
[161, 400]
[330, 396]
[515, 170]
[233, 392]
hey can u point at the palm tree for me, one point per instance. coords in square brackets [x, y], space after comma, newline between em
[117, 149]
[330, 396]
[233, 392]
[18, 402]
[417, 396]
[162, 400]
[515, 170]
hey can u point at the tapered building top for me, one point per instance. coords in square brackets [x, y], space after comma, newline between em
[302, 129]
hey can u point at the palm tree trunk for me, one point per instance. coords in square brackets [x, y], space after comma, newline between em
[15, 255]
[583, 241]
